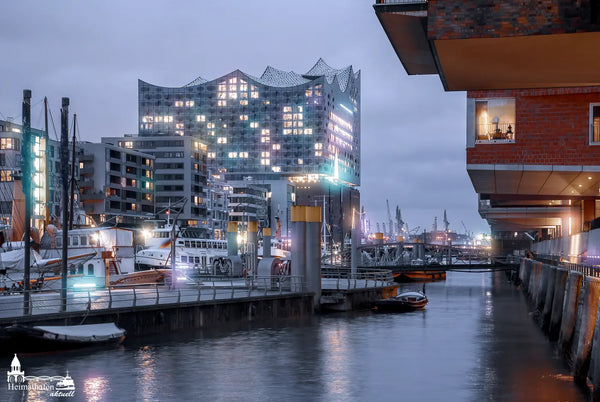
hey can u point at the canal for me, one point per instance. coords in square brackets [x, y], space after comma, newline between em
[475, 341]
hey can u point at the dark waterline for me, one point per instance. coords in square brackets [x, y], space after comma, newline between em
[475, 341]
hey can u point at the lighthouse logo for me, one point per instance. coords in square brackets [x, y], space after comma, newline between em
[56, 386]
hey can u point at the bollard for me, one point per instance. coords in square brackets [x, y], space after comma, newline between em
[526, 273]
[569, 313]
[584, 327]
[540, 296]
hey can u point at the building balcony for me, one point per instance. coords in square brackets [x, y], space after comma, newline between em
[503, 47]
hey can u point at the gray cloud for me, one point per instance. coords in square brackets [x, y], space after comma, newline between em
[413, 141]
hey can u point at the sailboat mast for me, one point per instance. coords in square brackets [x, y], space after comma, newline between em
[72, 174]
[27, 164]
[64, 158]
[47, 209]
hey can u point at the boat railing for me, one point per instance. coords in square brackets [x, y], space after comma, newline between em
[132, 296]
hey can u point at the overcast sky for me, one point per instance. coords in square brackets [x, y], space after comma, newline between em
[413, 133]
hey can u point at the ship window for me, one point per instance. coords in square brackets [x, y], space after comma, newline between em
[75, 240]
[595, 123]
[197, 260]
[90, 269]
[495, 120]
[80, 269]
[83, 240]
[184, 258]
[187, 243]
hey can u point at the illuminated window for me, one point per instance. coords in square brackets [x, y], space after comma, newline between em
[300, 161]
[254, 95]
[308, 131]
[495, 120]
[178, 103]
[128, 144]
[298, 124]
[233, 81]
[254, 125]
[265, 131]
[243, 87]
[224, 125]
[287, 116]
[265, 161]
[297, 131]
[179, 132]
[267, 102]
[200, 117]
[6, 175]
[308, 92]
[595, 122]
[159, 119]
[276, 147]
[300, 109]
[222, 140]
[222, 95]
[211, 133]
[243, 154]
[265, 154]
[189, 103]
[147, 119]
[287, 109]
[210, 125]
[318, 145]
[232, 154]
[243, 117]
[297, 116]
[287, 124]
[318, 153]
[232, 95]
[265, 140]
[222, 87]
[222, 103]
[276, 169]
[243, 102]
[233, 87]
[80, 165]
[178, 125]
[244, 95]
[211, 155]
[287, 131]
[168, 119]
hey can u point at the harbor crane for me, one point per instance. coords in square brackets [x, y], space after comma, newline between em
[390, 222]
[446, 223]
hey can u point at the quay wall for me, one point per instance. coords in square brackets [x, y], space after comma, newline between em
[148, 320]
[566, 304]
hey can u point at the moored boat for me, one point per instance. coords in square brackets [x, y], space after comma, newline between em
[406, 301]
[25, 338]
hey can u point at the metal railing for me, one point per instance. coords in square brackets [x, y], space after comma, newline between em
[342, 278]
[49, 302]
[585, 269]
[401, 1]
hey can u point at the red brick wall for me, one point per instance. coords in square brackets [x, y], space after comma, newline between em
[551, 128]
[460, 19]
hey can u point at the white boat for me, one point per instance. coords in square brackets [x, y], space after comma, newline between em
[66, 384]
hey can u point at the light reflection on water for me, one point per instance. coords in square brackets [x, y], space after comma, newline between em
[474, 341]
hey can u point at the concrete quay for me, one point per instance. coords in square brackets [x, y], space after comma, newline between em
[565, 304]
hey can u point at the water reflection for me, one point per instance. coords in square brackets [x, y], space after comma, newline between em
[474, 341]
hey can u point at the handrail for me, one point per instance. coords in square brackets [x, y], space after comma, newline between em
[585, 269]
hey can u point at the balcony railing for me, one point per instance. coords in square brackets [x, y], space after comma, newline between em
[496, 131]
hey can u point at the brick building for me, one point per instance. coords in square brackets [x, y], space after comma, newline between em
[533, 103]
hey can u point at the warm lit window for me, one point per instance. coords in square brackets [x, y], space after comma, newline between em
[287, 124]
[276, 147]
[210, 125]
[6, 175]
[243, 87]
[264, 154]
[244, 95]
[265, 140]
[308, 131]
[318, 153]
[254, 124]
[7, 143]
[178, 103]
[297, 116]
[495, 120]
[222, 103]
[243, 117]
[595, 122]
[300, 109]
[222, 86]
[243, 102]
[222, 140]
[300, 161]
[254, 95]
[287, 116]
[178, 125]
[211, 155]
[232, 154]
[308, 92]
[318, 145]
[200, 117]
[265, 131]
[243, 154]
[233, 81]
[233, 87]
[265, 161]
[287, 131]
[211, 133]
[233, 95]
[147, 119]
[128, 144]
[276, 169]
[287, 109]
[168, 119]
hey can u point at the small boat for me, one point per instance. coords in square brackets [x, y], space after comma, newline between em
[48, 338]
[406, 301]
[149, 277]
[66, 384]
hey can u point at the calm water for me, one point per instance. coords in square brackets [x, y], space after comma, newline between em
[475, 341]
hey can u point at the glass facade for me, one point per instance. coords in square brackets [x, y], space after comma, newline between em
[281, 124]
